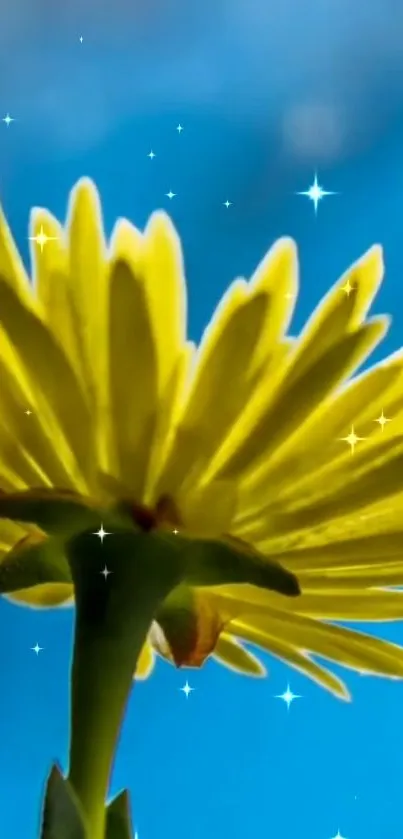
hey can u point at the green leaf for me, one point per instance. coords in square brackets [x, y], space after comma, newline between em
[55, 511]
[62, 816]
[118, 820]
[34, 561]
[215, 563]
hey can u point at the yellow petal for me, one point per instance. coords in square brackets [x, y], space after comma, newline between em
[277, 276]
[145, 663]
[33, 436]
[88, 278]
[232, 654]
[64, 408]
[229, 343]
[208, 511]
[339, 312]
[374, 475]
[132, 378]
[356, 650]
[52, 283]
[239, 349]
[260, 433]
[165, 291]
[11, 532]
[298, 659]
[317, 442]
[11, 265]
[45, 596]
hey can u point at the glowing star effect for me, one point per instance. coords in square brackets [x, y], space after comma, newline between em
[8, 120]
[37, 649]
[288, 697]
[315, 193]
[170, 194]
[101, 533]
[382, 420]
[186, 689]
[81, 39]
[151, 155]
[105, 572]
[352, 439]
[348, 288]
[28, 413]
[41, 239]
[338, 836]
[179, 128]
[227, 203]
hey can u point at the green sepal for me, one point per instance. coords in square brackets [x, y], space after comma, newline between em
[118, 819]
[215, 563]
[62, 816]
[32, 562]
[57, 512]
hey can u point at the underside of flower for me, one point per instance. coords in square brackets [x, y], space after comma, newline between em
[258, 459]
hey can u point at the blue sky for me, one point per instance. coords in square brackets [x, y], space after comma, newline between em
[267, 94]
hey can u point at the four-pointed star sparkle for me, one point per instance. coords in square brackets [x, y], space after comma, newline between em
[41, 238]
[352, 439]
[8, 120]
[186, 689]
[315, 193]
[37, 649]
[382, 420]
[170, 194]
[339, 836]
[101, 533]
[288, 697]
[347, 288]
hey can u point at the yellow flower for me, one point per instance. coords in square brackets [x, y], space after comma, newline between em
[246, 439]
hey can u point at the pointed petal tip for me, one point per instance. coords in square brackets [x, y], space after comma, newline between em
[373, 255]
[84, 193]
[160, 221]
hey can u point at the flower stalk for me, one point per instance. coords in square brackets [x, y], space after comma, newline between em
[114, 610]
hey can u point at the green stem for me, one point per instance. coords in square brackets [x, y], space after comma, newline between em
[113, 616]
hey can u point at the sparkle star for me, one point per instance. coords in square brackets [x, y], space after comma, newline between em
[382, 420]
[338, 836]
[41, 238]
[352, 439]
[81, 39]
[101, 533]
[8, 120]
[315, 193]
[186, 689]
[179, 128]
[37, 649]
[105, 571]
[348, 288]
[28, 413]
[227, 203]
[288, 697]
[151, 155]
[170, 194]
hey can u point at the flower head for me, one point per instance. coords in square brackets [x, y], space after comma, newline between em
[237, 448]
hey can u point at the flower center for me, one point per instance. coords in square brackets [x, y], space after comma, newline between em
[164, 515]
